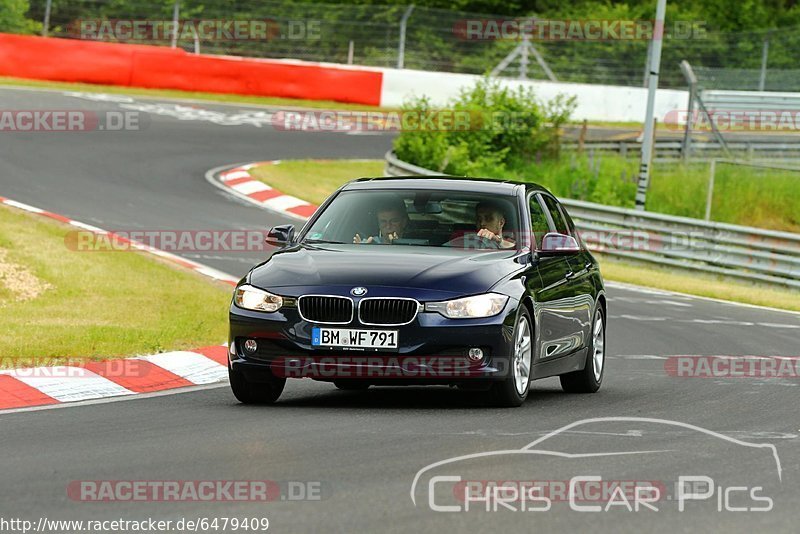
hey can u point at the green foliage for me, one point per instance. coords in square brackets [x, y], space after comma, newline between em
[12, 17]
[602, 178]
[765, 198]
[732, 35]
[506, 128]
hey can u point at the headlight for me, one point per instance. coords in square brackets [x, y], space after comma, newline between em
[252, 298]
[470, 307]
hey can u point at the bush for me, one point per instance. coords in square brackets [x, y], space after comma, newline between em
[506, 128]
[12, 17]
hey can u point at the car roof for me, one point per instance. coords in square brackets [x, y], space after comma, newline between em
[466, 184]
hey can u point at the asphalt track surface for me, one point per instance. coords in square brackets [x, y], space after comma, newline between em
[364, 449]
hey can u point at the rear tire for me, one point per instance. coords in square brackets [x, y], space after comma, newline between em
[590, 378]
[351, 385]
[263, 392]
[513, 389]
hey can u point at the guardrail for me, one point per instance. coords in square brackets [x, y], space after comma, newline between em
[701, 150]
[742, 252]
[750, 100]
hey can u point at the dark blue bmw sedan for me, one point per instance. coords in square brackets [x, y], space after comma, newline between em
[480, 284]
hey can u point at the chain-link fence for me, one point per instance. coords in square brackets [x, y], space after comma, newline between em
[748, 79]
[435, 39]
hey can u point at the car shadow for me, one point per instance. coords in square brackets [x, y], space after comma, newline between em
[409, 398]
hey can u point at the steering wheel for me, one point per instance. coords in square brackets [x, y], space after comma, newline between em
[472, 241]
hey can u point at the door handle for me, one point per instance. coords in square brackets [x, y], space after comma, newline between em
[570, 275]
[589, 266]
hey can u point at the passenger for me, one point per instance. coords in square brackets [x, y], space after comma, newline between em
[489, 220]
[392, 223]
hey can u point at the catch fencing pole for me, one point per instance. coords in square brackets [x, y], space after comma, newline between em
[649, 127]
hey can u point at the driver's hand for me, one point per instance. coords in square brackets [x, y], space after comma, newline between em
[391, 237]
[357, 239]
[491, 236]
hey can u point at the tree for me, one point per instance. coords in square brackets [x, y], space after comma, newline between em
[13, 19]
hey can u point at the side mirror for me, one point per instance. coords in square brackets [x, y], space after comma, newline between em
[280, 236]
[554, 244]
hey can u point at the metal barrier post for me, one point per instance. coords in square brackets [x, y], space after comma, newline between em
[710, 193]
[691, 79]
[401, 48]
[46, 24]
[764, 54]
[649, 130]
[196, 40]
[176, 10]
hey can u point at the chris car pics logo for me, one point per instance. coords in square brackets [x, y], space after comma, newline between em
[619, 465]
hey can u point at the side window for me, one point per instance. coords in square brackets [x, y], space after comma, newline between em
[570, 225]
[572, 230]
[539, 224]
[555, 213]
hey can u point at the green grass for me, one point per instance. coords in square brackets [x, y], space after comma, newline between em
[315, 180]
[694, 283]
[753, 197]
[102, 304]
[764, 198]
[627, 125]
[170, 93]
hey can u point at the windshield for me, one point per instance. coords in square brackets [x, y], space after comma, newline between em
[419, 217]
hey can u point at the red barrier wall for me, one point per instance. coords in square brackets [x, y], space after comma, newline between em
[72, 60]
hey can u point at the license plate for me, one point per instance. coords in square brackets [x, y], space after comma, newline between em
[347, 337]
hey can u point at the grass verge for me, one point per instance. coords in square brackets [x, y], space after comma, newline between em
[314, 180]
[694, 283]
[764, 198]
[188, 95]
[749, 196]
[99, 304]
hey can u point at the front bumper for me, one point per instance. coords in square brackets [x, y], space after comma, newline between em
[431, 350]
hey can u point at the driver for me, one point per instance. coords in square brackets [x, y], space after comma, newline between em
[489, 220]
[392, 223]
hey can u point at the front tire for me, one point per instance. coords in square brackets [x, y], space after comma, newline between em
[263, 392]
[513, 389]
[590, 378]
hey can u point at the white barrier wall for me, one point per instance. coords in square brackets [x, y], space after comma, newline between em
[594, 102]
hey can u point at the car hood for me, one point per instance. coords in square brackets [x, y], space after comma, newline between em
[307, 268]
